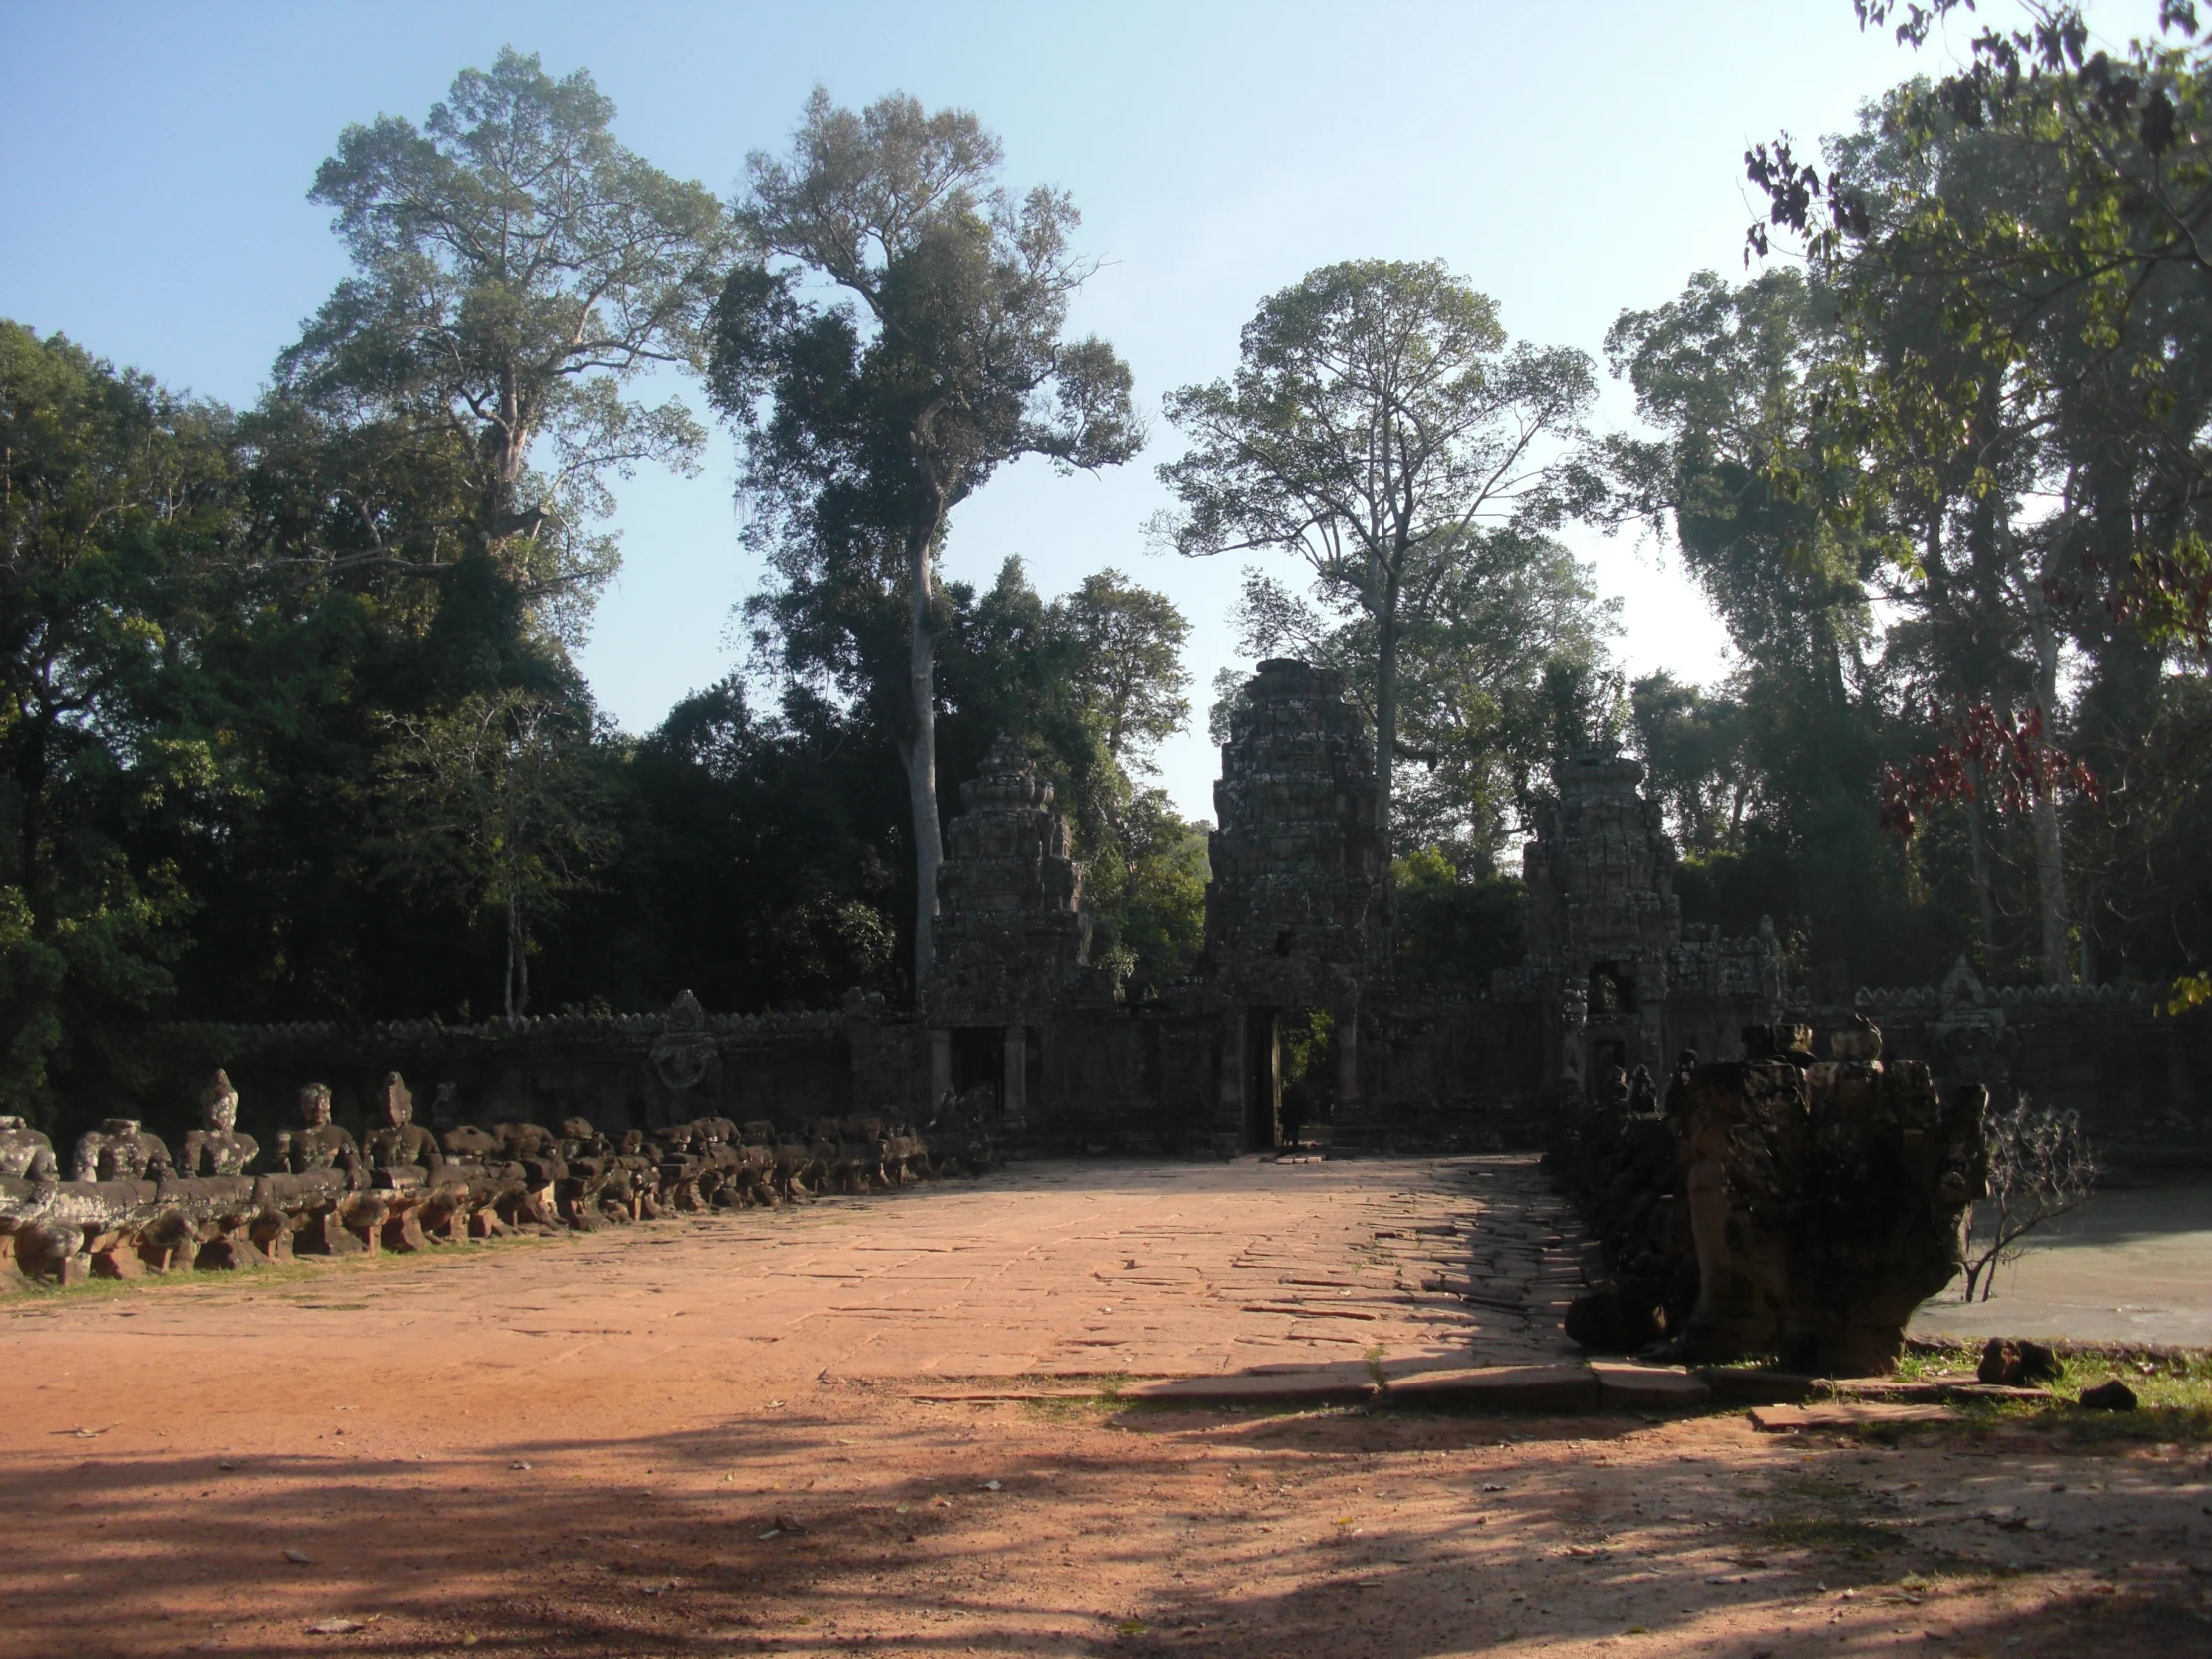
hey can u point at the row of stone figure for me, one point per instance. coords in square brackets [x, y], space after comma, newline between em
[133, 1208]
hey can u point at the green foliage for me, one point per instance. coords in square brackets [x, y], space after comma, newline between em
[1380, 428]
[1458, 924]
[517, 269]
[1728, 378]
[495, 802]
[116, 514]
[1692, 746]
[865, 427]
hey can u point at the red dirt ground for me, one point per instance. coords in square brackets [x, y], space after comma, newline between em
[701, 1437]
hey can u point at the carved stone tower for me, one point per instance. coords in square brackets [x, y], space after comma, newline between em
[1012, 939]
[1293, 911]
[1602, 918]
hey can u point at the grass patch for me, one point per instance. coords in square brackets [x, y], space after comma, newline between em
[1832, 1534]
[1922, 1360]
[2172, 1387]
[321, 1272]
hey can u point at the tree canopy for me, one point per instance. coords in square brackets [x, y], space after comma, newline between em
[866, 421]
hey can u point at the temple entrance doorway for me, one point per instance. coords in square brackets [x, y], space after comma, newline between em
[1290, 1092]
[1306, 1066]
[979, 1062]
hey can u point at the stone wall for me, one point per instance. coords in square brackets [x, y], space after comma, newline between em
[2138, 1077]
[624, 1073]
[1018, 1021]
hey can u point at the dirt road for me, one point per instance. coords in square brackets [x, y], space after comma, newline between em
[705, 1439]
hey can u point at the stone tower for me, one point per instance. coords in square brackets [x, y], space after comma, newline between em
[1293, 909]
[1602, 918]
[1012, 939]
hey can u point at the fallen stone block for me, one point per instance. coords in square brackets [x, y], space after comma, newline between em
[1649, 1388]
[1336, 1387]
[2109, 1396]
[1842, 1413]
[2020, 1364]
[1736, 1386]
[1501, 1388]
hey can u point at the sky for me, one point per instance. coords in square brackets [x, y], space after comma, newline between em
[1572, 162]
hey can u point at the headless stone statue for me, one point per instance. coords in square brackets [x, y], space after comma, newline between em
[399, 1139]
[217, 1147]
[317, 1143]
[20, 1146]
[1643, 1094]
[118, 1150]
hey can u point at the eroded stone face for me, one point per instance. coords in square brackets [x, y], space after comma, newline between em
[317, 1143]
[397, 1141]
[217, 1147]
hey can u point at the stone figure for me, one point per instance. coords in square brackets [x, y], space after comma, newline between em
[20, 1148]
[399, 1141]
[120, 1150]
[1643, 1094]
[318, 1143]
[217, 1147]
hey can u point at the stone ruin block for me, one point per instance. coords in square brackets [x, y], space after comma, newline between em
[1778, 1206]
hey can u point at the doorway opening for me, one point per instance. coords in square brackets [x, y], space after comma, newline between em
[1294, 1077]
[979, 1062]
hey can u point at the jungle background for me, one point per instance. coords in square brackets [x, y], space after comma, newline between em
[291, 727]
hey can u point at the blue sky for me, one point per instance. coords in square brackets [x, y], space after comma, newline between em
[1571, 161]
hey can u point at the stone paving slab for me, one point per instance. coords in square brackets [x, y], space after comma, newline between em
[1568, 1388]
[1048, 1270]
[1857, 1413]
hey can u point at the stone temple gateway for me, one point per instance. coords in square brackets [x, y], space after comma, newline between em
[1018, 1020]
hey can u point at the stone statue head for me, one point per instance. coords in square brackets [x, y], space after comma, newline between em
[314, 1105]
[395, 1101]
[123, 1128]
[218, 1104]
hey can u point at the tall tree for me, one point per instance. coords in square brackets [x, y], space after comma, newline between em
[1478, 668]
[517, 272]
[1128, 669]
[1691, 742]
[2046, 204]
[879, 420]
[118, 507]
[1729, 377]
[1379, 427]
[494, 804]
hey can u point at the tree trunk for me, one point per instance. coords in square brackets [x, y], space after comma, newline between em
[517, 983]
[32, 745]
[1386, 763]
[1984, 892]
[2051, 862]
[919, 751]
